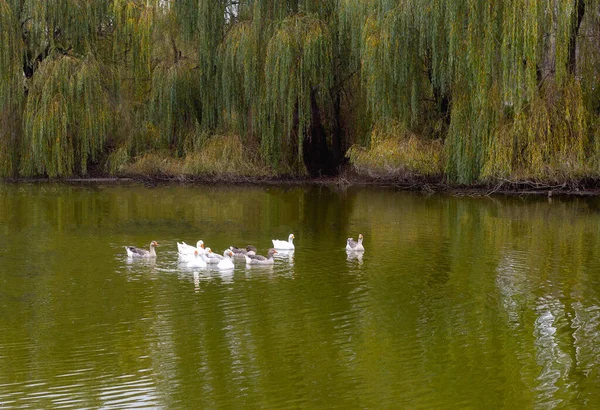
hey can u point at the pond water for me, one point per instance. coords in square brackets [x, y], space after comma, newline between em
[457, 302]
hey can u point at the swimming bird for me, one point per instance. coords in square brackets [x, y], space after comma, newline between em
[239, 252]
[211, 257]
[352, 245]
[288, 245]
[226, 262]
[196, 261]
[261, 260]
[185, 249]
[134, 252]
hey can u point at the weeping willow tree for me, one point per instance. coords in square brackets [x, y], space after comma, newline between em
[281, 96]
[298, 70]
[493, 90]
[501, 74]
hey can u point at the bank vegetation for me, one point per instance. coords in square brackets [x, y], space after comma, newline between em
[466, 92]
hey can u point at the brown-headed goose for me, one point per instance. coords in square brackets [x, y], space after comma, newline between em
[134, 252]
[261, 260]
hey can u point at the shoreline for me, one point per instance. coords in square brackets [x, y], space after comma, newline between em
[585, 188]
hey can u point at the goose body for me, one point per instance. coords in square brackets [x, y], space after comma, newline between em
[185, 249]
[196, 261]
[134, 252]
[287, 245]
[261, 260]
[240, 252]
[352, 245]
[210, 257]
[226, 262]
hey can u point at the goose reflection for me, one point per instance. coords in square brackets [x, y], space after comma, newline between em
[196, 282]
[354, 256]
[285, 256]
[226, 275]
[140, 261]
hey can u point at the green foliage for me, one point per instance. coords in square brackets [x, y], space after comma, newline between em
[546, 142]
[241, 77]
[495, 83]
[299, 62]
[174, 105]
[494, 62]
[132, 43]
[66, 118]
[11, 85]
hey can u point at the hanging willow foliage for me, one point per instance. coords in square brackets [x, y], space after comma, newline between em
[508, 88]
[211, 21]
[547, 141]
[11, 88]
[132, 44]
[175, 107]
[241, 76]
[487, 61]
[299, 61]
[66, 118]
[64, 24]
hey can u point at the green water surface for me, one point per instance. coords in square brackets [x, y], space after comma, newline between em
[457, 302]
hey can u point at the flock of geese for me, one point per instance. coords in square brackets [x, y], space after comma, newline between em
[200, 256]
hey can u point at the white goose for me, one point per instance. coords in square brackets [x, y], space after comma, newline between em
[261, 260]
[226, 262]
[352, 245]
[287, 245]
[185, 249]
[134, 252]
[196, 261]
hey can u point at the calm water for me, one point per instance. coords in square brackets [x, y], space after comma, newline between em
[457, 302]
